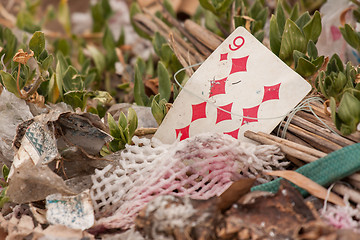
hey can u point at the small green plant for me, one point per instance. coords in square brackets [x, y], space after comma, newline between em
[308, 64]
[62, 83]
[336, 80]
[123, 130]
[20, 73]
[293, 33]
[4, 185]
[158, 108]
[346, 115]
[341, 86]
[252, 18]
[350, 35]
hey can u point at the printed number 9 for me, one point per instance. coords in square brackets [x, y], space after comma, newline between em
[237, 46]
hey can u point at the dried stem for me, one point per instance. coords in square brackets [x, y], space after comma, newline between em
[17, 81]
[35, 86]
[144, 131]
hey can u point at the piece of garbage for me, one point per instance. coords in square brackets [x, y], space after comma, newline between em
[52, 147]
[342, 217]
[241, 86]
[26, 228]
[255, 215]
[72, 211]
[181, 217]
[331, 40]
[201, 167]
[277, 216]
[13, 111]
[30, 183]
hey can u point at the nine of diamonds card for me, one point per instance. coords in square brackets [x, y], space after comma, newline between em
[241, 86]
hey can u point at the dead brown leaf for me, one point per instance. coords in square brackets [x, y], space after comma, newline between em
[22, 57]
[234, 193]
[153, 85]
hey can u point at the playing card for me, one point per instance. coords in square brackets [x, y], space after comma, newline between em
[241, 86]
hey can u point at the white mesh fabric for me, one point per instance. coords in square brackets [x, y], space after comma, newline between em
[200, 167]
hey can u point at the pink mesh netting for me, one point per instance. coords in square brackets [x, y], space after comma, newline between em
[200, 167]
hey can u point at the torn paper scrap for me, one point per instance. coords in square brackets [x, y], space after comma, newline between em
[72, 211]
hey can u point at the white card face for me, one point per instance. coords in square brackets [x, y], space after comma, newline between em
[243, 77]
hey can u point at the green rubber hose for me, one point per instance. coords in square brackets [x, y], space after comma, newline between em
[325, 170]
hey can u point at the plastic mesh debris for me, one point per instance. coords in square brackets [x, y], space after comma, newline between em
[199, 167]
[343, 217]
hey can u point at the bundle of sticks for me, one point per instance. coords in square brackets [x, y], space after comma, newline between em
[308, 137]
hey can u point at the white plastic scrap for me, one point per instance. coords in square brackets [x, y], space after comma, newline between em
[199, 167]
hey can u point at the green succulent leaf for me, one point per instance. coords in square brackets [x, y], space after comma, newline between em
[297, 55]
[98, 58]
[158, 42]
[47, 62]
[139, 91]
[349, 108]
[335, 65]
[158, 109]
[113, 127]
[132, 120]
[320, 83]
[259, 35]
[313, 28]
[9, 82]
[164, 82]
[350, 36]
[25, 21]
[64, 16]
[121, 41]
[166, 54]
[312, 50]
[126, 136]
[100, 12]
[175, 91]
[303, 20]
[141, 65]
[122, 121]
[10, 47]
[274, 35]
[305, 68]
[116, 145]
[339, 82]
[62, 45]
[76, 99]
[280, 18]
[294, 12]
[223, 6]
[349, 113]
[169, 7]
[109, 45]
[206, 4]
[318, 62]
[5, 172]
[292, 39]
[3, 197]
[71, 81]
[37, 43]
